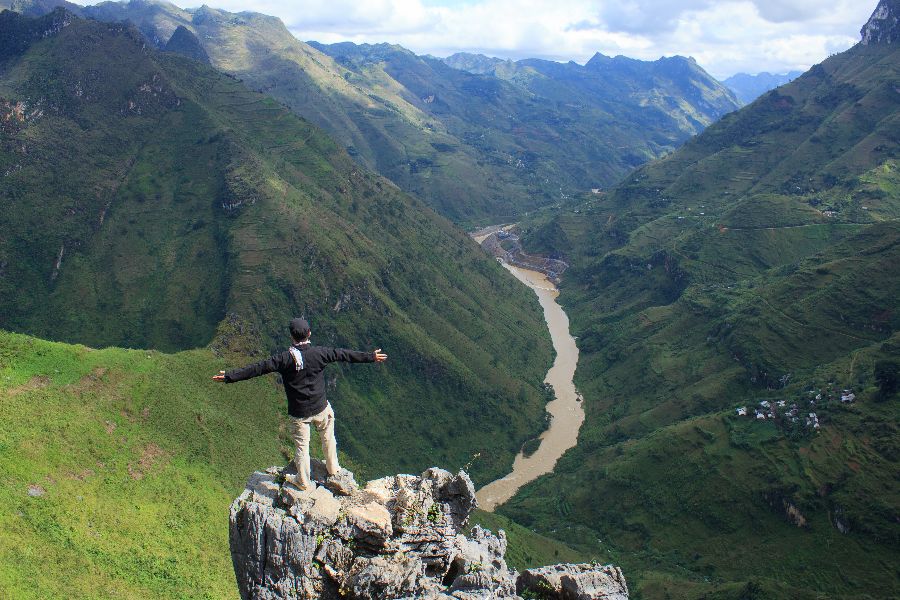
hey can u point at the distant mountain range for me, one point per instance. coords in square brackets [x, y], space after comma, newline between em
[748, 87]
[736, 305]
[745, 87]
[475, 147]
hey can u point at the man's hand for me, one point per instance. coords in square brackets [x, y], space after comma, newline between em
[380, 356]
[219, 377]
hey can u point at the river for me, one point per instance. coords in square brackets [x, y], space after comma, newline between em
[567, 412]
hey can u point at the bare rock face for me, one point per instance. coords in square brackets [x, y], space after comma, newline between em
[396, 537]
[883, 26]
[575, 582]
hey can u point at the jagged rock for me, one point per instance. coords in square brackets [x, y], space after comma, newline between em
[574, 582]
[883, 27]
[397, 537]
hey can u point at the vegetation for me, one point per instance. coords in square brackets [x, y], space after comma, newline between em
[152, 201]
[527, 549]
[476, 148]
[118, 467]
[759, 263]
[197, 212]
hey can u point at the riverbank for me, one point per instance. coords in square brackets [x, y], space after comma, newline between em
[502, 241]
[566, 410]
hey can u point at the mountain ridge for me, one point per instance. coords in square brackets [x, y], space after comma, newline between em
[477, 149]
[735, 306]
[204, 213]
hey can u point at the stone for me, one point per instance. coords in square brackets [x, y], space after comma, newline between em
[381, 489]
[397, 537]
[384, 577]
[325, 507]
[574, 582]
[342, 483]
[883, 27]
[372, 522]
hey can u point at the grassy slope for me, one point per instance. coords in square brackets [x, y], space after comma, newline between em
[784, 284]
[198, 210]
[138, 455]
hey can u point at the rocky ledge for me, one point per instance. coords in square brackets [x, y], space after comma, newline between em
[396, 537]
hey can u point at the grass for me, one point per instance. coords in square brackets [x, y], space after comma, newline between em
[135, 456]
[210, 215]
[476, 148]
[758, 262]
[119, 465]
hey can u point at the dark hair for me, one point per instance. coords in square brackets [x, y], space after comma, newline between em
[299, 329]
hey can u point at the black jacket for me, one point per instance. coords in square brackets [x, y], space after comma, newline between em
[305, 389]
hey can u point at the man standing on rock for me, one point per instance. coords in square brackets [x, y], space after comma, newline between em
[302, 370]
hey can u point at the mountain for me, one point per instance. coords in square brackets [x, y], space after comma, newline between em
[756, 268]
[186, 43]
[478, 64]
[474, 147]
[673, 88]
[883, 27]
[748, 87]
[150, 201]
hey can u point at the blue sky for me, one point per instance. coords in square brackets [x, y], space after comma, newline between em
[724, 36]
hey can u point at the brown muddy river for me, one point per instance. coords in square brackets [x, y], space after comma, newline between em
[567, 412]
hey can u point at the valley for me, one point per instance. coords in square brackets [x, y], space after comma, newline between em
[565, 411]
[677, 350]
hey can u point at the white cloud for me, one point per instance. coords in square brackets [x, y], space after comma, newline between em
[725, 36]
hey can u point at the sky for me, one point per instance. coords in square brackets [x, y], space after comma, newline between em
[724, 36]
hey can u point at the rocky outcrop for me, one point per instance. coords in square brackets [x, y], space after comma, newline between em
[396, 537]
[575, 582]
[883, 27]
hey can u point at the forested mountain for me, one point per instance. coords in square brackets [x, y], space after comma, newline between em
[757, 268]
[663, 99]
[150, 201]
[748, 87]
[474, 147]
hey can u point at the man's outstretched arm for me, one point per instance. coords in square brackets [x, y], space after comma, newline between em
[344, 355]
[270, 365]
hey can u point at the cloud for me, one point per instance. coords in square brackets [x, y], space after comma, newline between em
[725, 36]
[646, 16]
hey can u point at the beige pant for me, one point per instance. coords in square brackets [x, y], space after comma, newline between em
[324, 424]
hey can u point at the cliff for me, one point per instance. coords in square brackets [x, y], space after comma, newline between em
[883, 27]
[397, 537]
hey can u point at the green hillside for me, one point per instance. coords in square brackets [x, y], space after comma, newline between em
[152, 202]
[476, 148]
[118, 467]
[759, 263]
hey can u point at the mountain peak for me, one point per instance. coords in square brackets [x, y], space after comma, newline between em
[883, 27]
[183, 41]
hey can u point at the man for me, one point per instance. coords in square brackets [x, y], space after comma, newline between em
[302, 369]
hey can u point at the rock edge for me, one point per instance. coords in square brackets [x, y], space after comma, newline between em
[396, 537]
